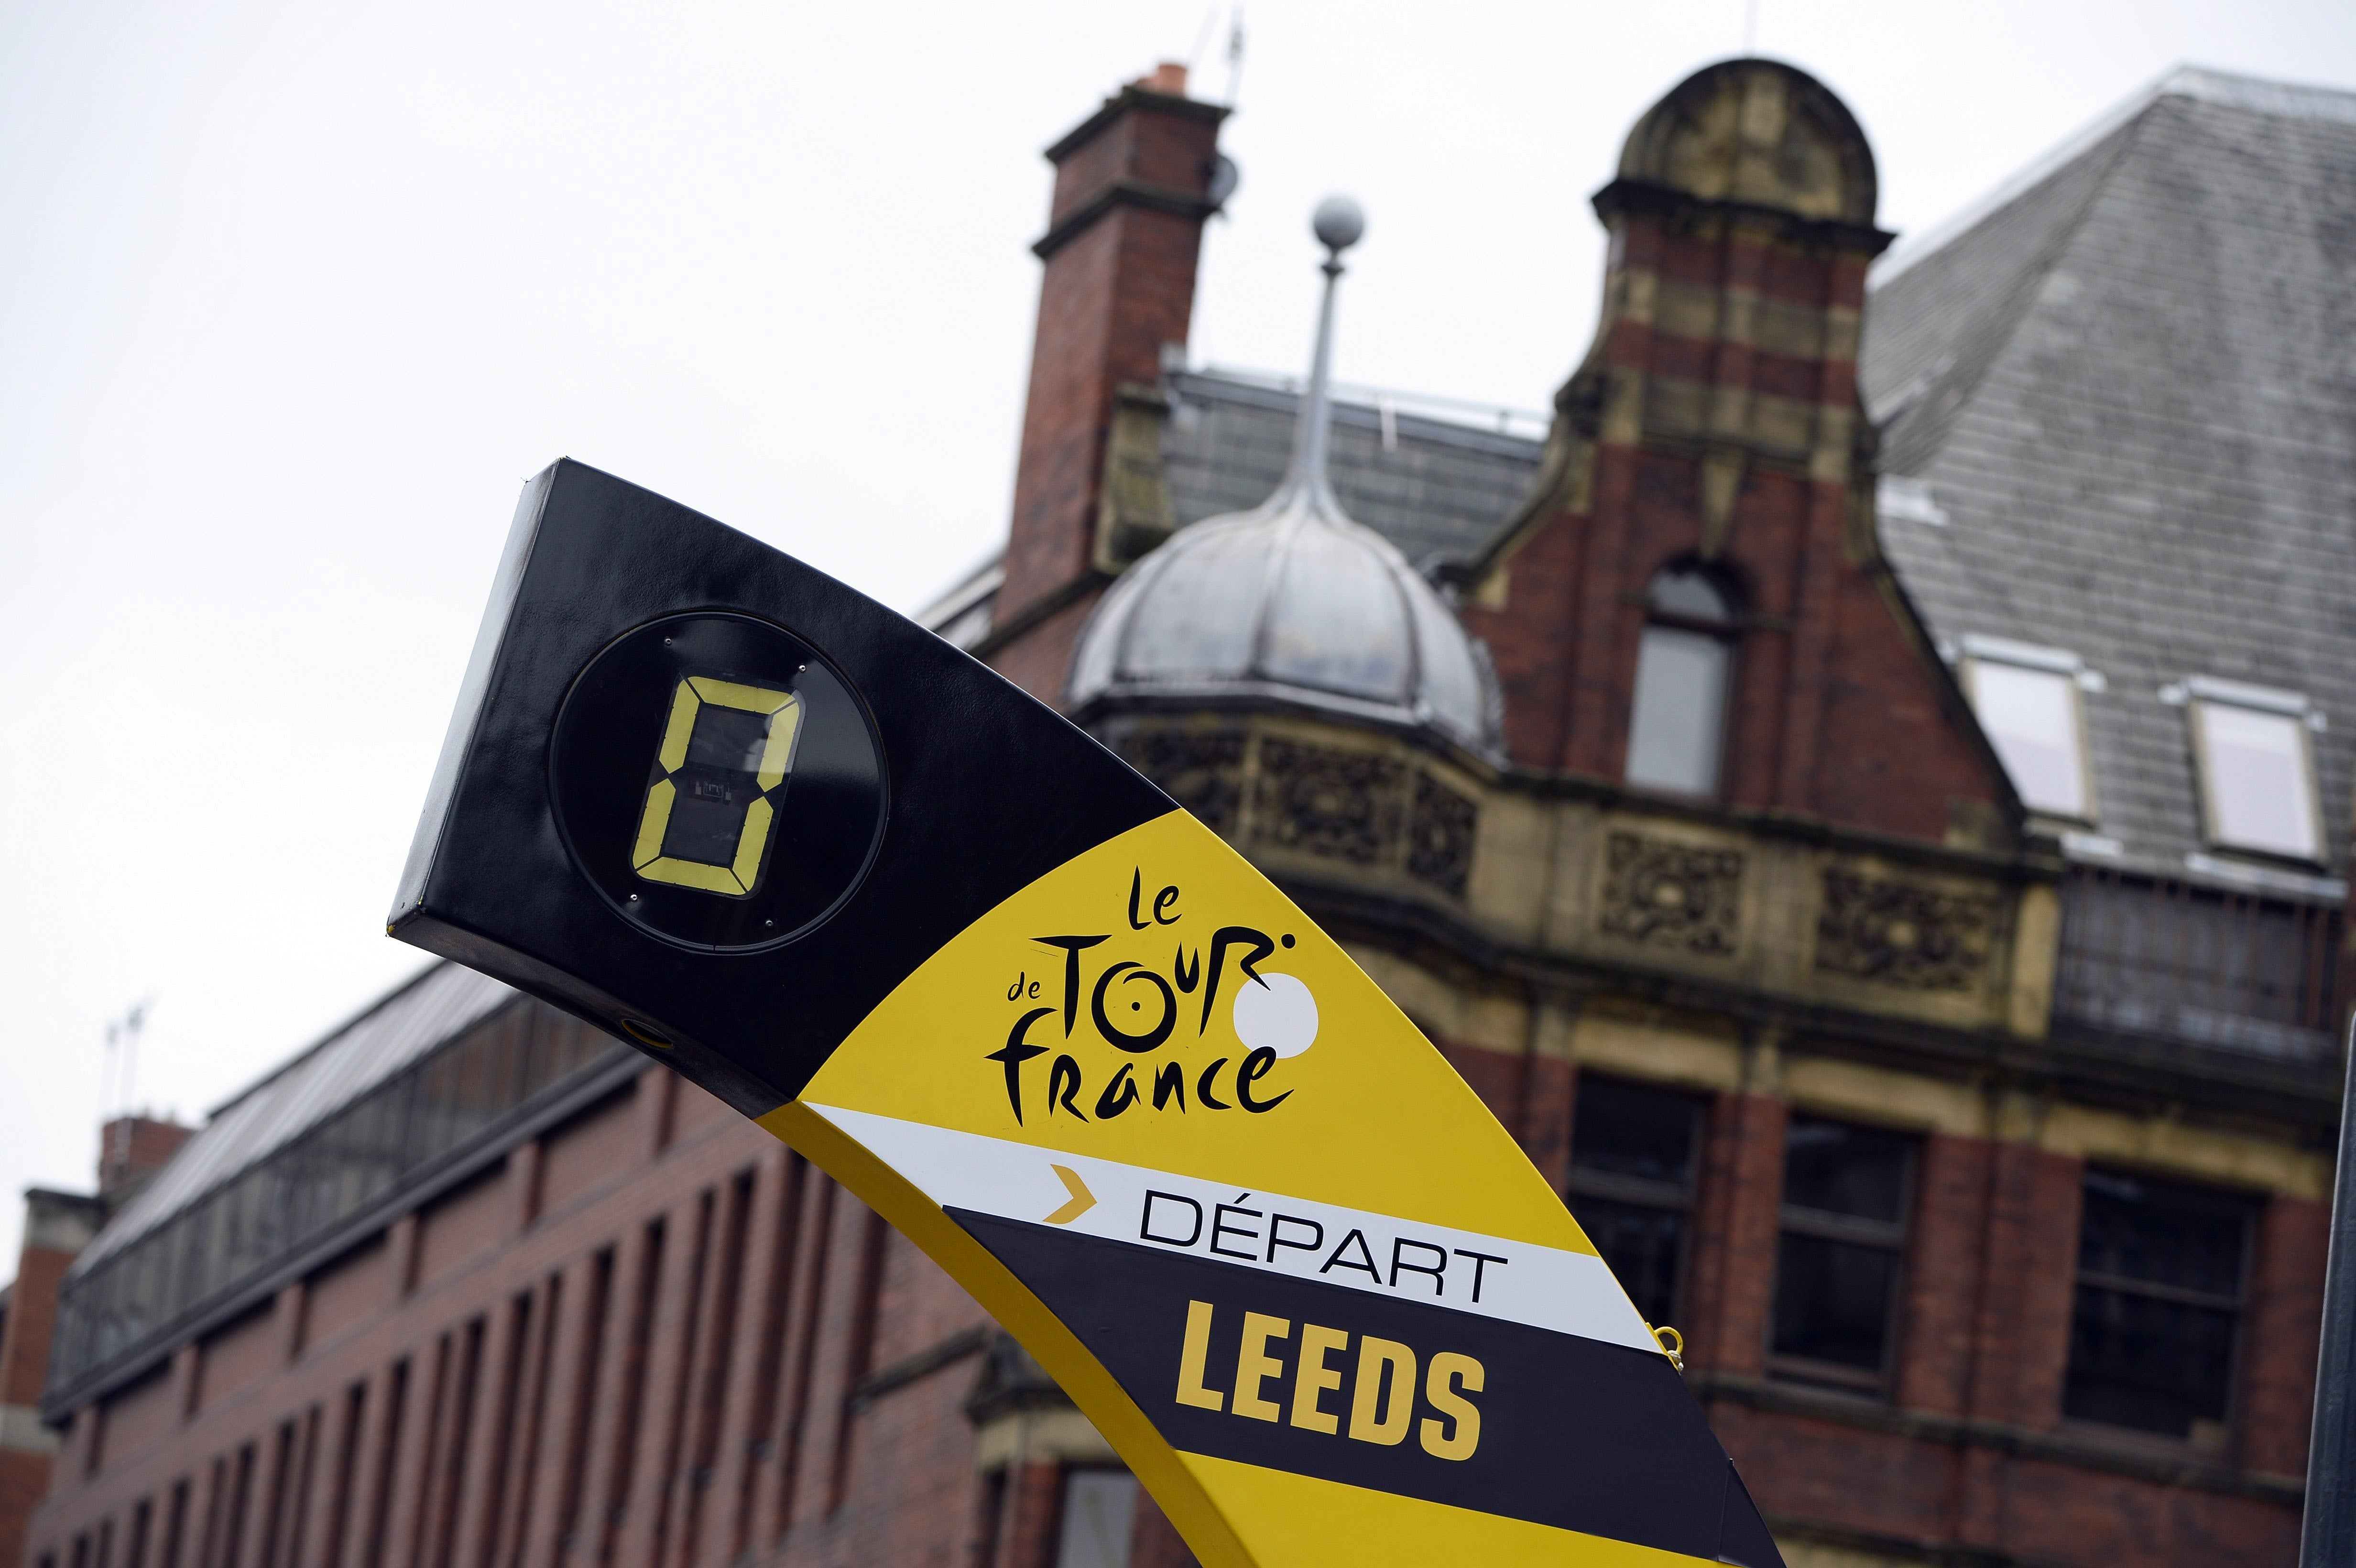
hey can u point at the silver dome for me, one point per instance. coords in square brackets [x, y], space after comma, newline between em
[1291, 602]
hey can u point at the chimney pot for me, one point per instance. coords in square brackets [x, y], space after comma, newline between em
[1169, 77]
[132, 1148]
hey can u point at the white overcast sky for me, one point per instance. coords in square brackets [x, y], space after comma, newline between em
[293, 297]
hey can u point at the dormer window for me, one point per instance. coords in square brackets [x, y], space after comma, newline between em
[2256, 767]
[1677, 729]
[2027, 699]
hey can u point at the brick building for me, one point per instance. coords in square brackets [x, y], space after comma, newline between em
[1854, 798]
[57, 1226]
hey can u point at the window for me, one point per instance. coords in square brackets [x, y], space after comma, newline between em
[1632, 1170]
[1099, 1511]
[2028, 702]
[2159, 1297]
[1846, 1194]
[1677, 722]
[2257, 773]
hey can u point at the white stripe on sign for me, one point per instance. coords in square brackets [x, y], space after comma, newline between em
[1546, 1287]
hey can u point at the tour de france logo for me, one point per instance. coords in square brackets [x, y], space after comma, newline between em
[1086, 1000]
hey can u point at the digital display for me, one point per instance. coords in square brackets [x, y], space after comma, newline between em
[726, 748]
[716, 780]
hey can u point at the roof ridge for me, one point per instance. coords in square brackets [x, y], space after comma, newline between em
[2203, 83]
[1976, 347]
[1910, 250]
[2263, 95]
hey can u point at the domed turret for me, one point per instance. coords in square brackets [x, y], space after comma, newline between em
[1291, 602]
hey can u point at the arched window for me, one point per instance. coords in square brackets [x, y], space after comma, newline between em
[1677, 724]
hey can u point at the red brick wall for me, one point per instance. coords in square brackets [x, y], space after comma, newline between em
[56, 1225]
[1836, 711]
[684, 1403]
[31, 1320]
[460, 1227]
[24, 1482]
[2028, 1285]
[2282, 1326]
[245, 1350]
[149, 1409]
[1941, 1286]
[1731, 1266]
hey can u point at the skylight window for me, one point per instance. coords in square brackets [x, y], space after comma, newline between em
[2028, 702]
[2257, 771]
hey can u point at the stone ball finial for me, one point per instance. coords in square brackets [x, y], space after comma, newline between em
[1339, 223]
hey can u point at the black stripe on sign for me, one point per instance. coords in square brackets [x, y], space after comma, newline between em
[1572, 1432]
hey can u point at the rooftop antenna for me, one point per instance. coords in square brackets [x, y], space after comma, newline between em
[122, 1070]
[123, 1056]
[1339, 223]
[1234, 55]
[1202, 39]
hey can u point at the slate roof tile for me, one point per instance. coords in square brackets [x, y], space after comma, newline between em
[2128, 384]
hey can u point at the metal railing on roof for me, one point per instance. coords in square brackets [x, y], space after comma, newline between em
[386, 1139]
[2240, 971]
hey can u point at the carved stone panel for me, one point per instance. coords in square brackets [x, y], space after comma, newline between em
[1201, 770]
[1341, 803]
[1440, 836]
[1901, 933]
[1667, 894]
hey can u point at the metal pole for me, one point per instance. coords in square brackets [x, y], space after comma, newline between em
[2327, 1535]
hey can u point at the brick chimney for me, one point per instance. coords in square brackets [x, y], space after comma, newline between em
[58, 1226]
[131, 1150]
[1124, 233]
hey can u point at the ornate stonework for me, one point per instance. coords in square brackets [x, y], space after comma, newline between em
[1202, 769]
[1440, 836]
[1342, 803]
[1899, 933]
[1667, 894]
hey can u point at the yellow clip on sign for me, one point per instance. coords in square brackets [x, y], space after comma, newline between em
[1061, 1036]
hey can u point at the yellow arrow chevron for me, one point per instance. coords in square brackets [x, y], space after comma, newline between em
[1082, 1199]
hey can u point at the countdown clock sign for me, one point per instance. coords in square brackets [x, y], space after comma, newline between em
[1061, 1036]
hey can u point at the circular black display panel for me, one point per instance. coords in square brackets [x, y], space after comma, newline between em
[717, 782]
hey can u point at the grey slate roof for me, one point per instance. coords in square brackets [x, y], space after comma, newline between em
[2128, 382]
[1436, 488]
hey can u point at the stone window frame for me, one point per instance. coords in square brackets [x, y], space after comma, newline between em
[1682, 1199]
[1725, 628]
[2218, 1441]
[1894, 1237]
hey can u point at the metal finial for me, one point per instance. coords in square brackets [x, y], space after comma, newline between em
[1338, 223]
